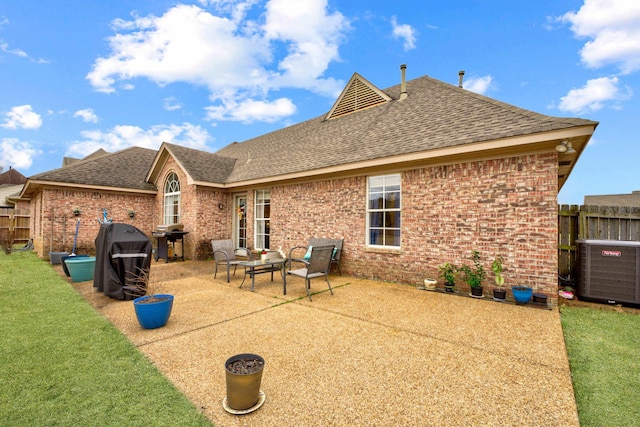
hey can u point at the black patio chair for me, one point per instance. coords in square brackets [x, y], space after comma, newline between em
[318, 265]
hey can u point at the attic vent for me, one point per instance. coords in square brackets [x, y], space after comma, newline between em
[357, 95]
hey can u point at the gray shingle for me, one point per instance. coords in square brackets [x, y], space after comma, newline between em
[435, 115]
[123, 169]
[202, 166]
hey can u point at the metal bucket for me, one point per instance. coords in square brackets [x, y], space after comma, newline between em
[243, 390]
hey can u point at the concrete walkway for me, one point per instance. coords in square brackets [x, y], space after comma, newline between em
[373, 354]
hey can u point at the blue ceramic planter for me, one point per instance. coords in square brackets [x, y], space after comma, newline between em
[81, 268]
[155, 314]
[64, 264]
[522, 294]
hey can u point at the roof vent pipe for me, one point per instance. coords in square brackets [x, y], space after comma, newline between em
[460, 77]
[403, 82]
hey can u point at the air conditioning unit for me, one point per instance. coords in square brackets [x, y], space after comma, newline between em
[609, 271]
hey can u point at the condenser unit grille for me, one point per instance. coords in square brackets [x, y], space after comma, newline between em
[609, 271]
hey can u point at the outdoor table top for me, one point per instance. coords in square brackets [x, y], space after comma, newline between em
[259, 262]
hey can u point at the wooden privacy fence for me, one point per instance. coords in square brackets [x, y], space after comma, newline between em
[16, 221]
[592, 222]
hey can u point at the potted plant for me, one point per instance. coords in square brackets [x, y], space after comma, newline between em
[499, 293]
[152, 307]
[522, 294]
[539, 298]
[429, 284]
[243, 374]
[474, 275]
[448, 273]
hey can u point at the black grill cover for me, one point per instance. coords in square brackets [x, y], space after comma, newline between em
[121, 251]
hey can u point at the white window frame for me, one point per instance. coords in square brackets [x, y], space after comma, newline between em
[391, 183]
[172, 199]
[262, 203]
[240, 219]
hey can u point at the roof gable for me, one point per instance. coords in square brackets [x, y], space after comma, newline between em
[199, 166]
[358, 94]
[13, 177]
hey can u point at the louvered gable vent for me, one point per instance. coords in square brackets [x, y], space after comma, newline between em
[358, 94]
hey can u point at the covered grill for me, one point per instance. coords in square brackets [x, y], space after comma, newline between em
[122, 251]
[166, 234]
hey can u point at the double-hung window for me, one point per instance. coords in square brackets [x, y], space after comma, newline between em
[383, 211]
[262, 218]
[172, 199]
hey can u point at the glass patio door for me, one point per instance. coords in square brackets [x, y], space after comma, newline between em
[240, 221]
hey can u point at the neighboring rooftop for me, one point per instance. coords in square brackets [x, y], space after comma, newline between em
[629, 200]
[13, 177]
[66, 161]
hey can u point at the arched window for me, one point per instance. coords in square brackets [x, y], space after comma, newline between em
[172, 199]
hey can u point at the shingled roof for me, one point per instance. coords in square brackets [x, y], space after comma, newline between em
[125, 169]
[12, 177]
[66, 161]
[365, 127]
[435, 115]
[200, 166]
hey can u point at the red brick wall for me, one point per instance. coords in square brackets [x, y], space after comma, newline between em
[54, 223]
[504, 207]
[199, 212]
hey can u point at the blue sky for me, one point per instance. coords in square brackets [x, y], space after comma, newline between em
[79, 75]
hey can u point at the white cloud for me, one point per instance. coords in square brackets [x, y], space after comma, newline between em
[479, 85]
[124, 136]
[16, 153]
[251, 110]
[4, 47]
[87, 115]
[613, 27]
[405, 32]
[172, 104]
[23, 117]
[232, 56]
[593, 95]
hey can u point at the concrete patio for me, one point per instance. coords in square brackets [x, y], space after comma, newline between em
[373, 354]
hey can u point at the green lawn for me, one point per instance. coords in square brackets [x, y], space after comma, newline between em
[604, 353]
[63, 364]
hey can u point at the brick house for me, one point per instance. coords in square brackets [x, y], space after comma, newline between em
[412, 176]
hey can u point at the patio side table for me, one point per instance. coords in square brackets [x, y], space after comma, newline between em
[264, 266]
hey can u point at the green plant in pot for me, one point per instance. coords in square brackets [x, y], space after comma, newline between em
[474, 275]
[448, 272]
[499, 293]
